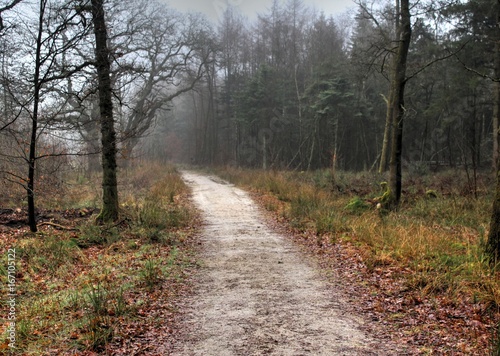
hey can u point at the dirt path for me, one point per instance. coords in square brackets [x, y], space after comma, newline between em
[256, 294]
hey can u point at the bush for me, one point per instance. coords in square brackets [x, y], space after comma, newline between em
[356, 206]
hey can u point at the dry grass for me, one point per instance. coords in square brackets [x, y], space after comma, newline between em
[80, 290]
[434, 240]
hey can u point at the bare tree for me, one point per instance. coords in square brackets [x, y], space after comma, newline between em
[59, 28]
[5, 7]
[159, 54]
[7, 119]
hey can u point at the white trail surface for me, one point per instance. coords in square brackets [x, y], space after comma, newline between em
[256, 294]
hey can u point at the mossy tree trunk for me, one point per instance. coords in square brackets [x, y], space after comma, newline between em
[109, 210]
[397, 104]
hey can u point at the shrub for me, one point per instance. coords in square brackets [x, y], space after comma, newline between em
[356, 205]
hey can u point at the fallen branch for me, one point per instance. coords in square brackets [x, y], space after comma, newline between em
[57, 226]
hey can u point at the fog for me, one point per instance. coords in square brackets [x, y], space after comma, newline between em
[214, 9]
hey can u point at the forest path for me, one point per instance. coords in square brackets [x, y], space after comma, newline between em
[256, 294]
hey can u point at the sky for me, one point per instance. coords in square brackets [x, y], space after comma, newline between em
[213, 9]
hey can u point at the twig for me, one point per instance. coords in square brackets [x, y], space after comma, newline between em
[60, 227]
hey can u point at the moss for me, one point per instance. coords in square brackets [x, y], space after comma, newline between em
[356, 205]
[431, 194]
[385, 199]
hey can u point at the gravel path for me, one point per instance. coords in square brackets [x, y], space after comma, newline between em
[256, 293]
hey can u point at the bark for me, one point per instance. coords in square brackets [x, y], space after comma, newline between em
[34, 123]
[109, 210]
[398, 105]
[493, 243]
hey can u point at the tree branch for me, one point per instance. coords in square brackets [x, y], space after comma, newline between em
[427, 65]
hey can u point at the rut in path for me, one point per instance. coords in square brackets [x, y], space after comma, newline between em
[256, 294]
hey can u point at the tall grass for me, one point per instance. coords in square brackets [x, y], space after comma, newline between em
[437, 237]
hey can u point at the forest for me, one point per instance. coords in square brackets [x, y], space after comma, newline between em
[94, 91]
[293, 90]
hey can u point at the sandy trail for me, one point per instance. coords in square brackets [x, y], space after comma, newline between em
[256, 293]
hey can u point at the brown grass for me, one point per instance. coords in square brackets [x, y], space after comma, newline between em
[82, 290]
[433, 245]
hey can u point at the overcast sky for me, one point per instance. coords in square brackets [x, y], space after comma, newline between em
[250, 8]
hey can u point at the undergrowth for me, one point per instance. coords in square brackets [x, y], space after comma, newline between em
[76, 290]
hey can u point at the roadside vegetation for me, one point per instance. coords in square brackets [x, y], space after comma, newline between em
[420, 271]
[83, 287]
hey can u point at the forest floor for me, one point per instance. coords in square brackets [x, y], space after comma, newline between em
[86, 289]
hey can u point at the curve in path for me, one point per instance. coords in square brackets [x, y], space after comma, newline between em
[256, 293]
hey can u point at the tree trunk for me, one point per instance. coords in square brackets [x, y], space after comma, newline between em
[493, 243]
[384, 154]
[109, 210]
[496, 100]
[398, 104]
[34, 123]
